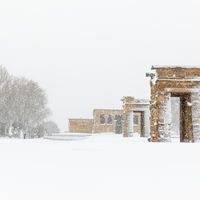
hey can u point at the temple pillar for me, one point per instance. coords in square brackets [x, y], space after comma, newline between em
[130, 124]
[196, 115]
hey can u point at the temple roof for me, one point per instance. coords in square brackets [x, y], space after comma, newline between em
[175, 66]
[132, 100]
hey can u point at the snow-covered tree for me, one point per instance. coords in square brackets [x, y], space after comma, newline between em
[5, 98]
[30, 105]
[23, 104]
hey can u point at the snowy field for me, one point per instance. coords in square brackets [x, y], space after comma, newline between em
[98, 167]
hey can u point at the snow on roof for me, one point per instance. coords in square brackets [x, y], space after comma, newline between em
[132, 100]
[174, 66]
[107, 110]
[140, 101]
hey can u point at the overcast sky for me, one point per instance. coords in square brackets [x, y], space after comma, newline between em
[88, 54]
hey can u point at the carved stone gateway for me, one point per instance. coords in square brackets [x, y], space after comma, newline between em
[135, 110]
[175, 91]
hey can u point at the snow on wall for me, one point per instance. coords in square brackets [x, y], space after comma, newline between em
[196, 114]
[147, 122]
[175, 114]
[168, 116]
[155, 77]
[130, 123]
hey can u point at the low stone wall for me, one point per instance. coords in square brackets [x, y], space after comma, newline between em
[80, 125]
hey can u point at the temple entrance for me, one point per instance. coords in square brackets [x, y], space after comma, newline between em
[183, 120]
[181, 123]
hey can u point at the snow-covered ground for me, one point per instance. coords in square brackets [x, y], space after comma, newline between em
[98, 167]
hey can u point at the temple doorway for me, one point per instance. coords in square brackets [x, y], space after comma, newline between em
[181, 117]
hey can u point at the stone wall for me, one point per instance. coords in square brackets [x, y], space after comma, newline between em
[98, 127]
[80, 125]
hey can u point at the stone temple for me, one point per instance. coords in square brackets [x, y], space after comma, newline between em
[175, 103]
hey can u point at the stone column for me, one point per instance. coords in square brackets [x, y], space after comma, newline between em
[164, 122]
[154, 113]
[147, 122]
[167, 120]
[130, 124]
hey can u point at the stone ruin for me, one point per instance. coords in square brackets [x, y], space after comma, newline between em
[175, 103]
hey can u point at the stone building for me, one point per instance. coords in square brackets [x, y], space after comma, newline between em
[104, 121]
[80, 125]
[136, 117]
[107, 120]
[175, 103]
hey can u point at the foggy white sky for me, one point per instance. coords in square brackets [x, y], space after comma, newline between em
[87, 54]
